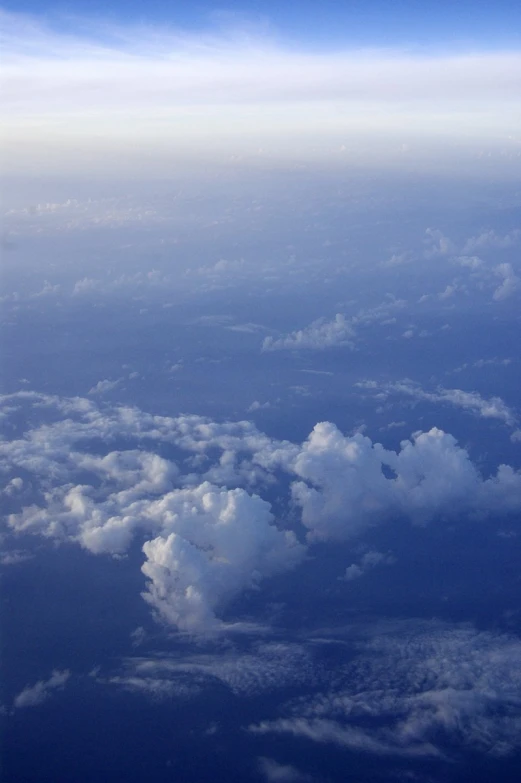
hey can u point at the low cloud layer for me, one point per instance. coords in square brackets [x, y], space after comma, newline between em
[207, 533]
[416, 690]
[410, 689]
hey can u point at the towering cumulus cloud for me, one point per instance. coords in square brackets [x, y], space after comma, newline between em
[221, 542]
[208, 536]
[345, 489]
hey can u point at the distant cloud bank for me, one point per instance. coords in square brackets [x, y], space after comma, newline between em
[102, 89]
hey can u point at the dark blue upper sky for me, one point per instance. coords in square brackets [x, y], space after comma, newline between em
[471, 23]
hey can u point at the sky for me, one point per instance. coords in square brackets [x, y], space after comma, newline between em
[404, 23]
[260, 478]
[144, 92]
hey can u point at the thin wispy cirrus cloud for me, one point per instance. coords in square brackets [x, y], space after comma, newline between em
[103, 87]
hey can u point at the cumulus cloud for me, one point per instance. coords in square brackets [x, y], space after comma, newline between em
[509, 286]
[105, 386]
[319, 335]
[470, 262]
[208, 535]
[367, 561]
[258, 406]
[33, 695]
[345, 490]
[491, 240]
[222, 541]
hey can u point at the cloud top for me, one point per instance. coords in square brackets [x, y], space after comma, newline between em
[207, 534]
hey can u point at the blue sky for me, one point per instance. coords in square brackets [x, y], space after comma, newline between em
[467, 23]
[260, 299]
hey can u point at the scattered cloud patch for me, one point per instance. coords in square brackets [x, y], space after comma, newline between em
[427, 689]
[367, 562]
[473, 402]
[318, 336]
[274, 772]
[510, 285]
[33, 695]
[105, 386]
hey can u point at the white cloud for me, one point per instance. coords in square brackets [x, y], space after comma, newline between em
[344, 489]
[281, 773]
[207, 537]
[105, 386]
[47, 290]
[492, 408]
[257, 406]
[480, 363]
[437, 244]
[471, 262]
[431, 688]
[448, 292]
[14, 557]
[491, 240]
[319, 335]
[330, 732]
[33, 695]
[175, 92]
[222, 542]
[511, 282]
[260, 667]
[368, 560]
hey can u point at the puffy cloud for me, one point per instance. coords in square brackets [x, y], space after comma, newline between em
[368, 561]
[33, 695]
[437, 244]
[470, 262]
[208, 535]
[222, 541]
[258, 406]
[511, 282]
[345, 490]
[105, 386]
[317, 336]
[491, 240]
